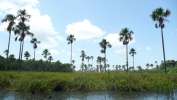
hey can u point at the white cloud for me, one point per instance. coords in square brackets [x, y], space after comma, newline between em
[120, 51]
[113, 38]
[41, 24]
[84, 30]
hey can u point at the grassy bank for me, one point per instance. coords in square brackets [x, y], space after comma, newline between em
[49, 81]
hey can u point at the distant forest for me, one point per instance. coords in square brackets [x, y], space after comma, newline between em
[13, 64]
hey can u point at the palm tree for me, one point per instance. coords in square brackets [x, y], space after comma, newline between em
[26, 55]
[83, 56]
[6, 52]
[50, 58]
[151, 65]
[46, 53]
[12, 57]
[159, 16]
[132, 53]
[104, 44]
[91, 57]
[21, 29]
[99, 60]
[126, 37]
[139, 68]
[147, 66]
[88, 59]
[11, 22]
[156, 63]
[70, 40]
[34, 41]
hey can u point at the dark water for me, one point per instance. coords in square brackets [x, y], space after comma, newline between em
[4, 95]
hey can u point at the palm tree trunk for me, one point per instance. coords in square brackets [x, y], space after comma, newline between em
[133, 61]
[163, 47]
[34, 54]
[100, 67]
[71, 53]
[127, 56]
[8, 44]
[22, 50]
[82, 66]
[105, 60]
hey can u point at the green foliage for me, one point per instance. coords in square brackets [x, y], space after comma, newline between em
[31, 65]
[45, 82]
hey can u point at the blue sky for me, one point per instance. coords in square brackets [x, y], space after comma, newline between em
[91, 21]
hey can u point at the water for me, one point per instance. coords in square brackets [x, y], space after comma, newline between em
[5, 95]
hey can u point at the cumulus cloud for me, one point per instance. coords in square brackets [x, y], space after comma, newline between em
[41, 24]
[113, 38]
[84, 30]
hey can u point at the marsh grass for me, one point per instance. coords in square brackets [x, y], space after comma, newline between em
[45, 82]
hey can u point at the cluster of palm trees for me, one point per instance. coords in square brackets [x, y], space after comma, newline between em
[159, 15]
[47, 55]
[86, 67]
[125, 37]
[18, 25]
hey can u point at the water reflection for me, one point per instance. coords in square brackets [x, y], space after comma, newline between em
[5, 95]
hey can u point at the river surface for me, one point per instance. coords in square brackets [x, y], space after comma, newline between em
[5, 95]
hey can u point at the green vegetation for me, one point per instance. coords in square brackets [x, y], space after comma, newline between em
[46, 82]
[13, 64]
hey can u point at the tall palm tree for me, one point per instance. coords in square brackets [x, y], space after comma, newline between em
[83, 56]
[46, 53]
[34, 41]
[50, 58]
[159, 16]
[104, 44]
[126, 37]
[88, 64]
[99, 60]
[91, 57]
[147, 66]
[26, 55]
[70, 40]
[132, 53]
[21, 30]
[11, 22]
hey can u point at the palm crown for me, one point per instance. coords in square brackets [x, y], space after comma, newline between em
[34, 41]
[46, 53]
[11, 19]
[104, 44]
[83, 55]
[159, 16]
[126, 36]
[71, 39]
[132, 52]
